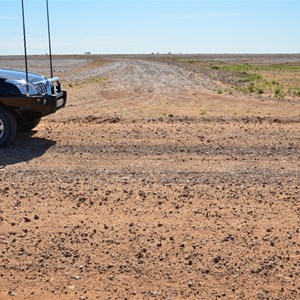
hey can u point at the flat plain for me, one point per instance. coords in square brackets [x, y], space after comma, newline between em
[164, 177]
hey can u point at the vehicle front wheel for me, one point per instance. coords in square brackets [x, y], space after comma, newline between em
[8, 127]
[27, 125]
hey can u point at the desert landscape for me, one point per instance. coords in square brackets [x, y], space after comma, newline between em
[165, 177]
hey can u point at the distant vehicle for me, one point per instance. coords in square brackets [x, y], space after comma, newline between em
[23, 104]
[27, 97]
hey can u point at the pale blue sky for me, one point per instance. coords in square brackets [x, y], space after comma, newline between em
[145, 26]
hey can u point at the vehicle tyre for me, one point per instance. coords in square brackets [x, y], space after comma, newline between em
[8, 127]
[27, 125]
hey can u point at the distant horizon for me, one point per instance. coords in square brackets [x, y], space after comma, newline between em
[91, 54]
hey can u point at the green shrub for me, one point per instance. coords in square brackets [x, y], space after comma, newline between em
[260, 91]
[251, 88]
[251, 77]
[277, 91]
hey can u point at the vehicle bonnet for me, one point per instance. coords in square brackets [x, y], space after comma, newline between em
[6, 74]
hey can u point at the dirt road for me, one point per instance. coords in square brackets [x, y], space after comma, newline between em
[150, 185]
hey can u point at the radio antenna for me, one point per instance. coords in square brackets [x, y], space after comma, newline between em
[25, 48]
[49, 40]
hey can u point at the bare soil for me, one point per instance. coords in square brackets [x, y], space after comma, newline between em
[150, 185]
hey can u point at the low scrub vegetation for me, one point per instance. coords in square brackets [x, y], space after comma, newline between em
[278, 80]
[275, 80]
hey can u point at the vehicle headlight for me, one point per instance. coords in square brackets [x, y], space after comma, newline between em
[24, 87]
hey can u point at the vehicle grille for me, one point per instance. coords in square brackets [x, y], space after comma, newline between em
[41, 87]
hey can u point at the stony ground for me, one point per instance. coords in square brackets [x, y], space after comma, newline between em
[149, 185]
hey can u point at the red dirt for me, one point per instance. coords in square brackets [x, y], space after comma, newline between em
[148, 185]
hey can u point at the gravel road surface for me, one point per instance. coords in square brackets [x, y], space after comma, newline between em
[149, 185]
